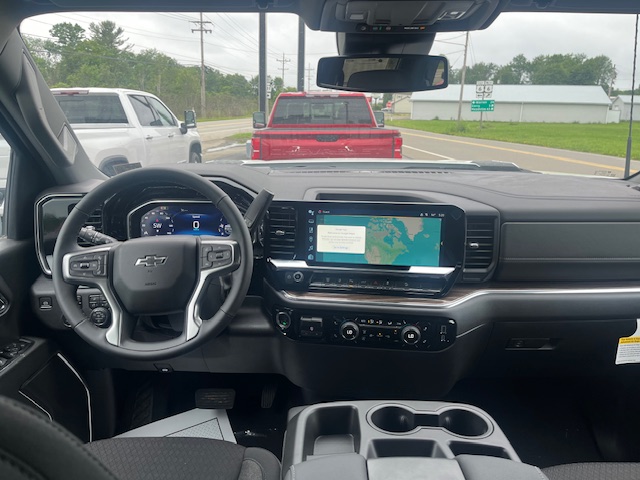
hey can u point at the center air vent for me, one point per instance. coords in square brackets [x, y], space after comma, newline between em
[282, 232]
[480, 243]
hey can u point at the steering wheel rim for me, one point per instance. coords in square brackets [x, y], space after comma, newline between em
[116, 339]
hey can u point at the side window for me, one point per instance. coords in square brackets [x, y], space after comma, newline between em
[168, 120]
[146, 114]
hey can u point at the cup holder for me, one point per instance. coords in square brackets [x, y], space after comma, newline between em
[397, 419]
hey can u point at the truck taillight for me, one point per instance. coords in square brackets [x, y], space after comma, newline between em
[255, 148]
[397, 147]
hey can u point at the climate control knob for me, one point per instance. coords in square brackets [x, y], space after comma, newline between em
[349, 331]
[410, 335]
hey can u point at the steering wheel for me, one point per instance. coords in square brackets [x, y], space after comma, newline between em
[151, 275]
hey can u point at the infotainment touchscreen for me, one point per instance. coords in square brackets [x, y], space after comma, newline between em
[378, 240]
[408, 235]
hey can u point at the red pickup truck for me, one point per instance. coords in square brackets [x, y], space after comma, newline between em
[322, 125]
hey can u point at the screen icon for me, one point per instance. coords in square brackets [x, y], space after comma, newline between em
[310, 229]
[310, 257]
[311, 212]
[311, 239]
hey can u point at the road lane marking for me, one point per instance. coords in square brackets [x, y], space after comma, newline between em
[513, 150]
[428, 153]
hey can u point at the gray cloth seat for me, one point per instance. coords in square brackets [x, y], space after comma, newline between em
[34, 448]
[594, 471]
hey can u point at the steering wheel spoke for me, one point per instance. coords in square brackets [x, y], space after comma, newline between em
[218, 257]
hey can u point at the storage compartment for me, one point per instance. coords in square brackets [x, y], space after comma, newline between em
[401, 447]
[332, 430]
[398, 419]
[464, 448]
[384, 430]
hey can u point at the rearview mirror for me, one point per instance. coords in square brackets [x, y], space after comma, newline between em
[384, 73]
[259, 120]
[379, 118]
[190, 118]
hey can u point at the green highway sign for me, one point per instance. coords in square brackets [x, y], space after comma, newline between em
[482, 105]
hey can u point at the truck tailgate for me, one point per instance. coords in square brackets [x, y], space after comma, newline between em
[287, 144]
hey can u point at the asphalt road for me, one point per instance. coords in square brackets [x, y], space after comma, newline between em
[420, 145]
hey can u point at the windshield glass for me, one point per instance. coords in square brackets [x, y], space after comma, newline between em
[540, 91]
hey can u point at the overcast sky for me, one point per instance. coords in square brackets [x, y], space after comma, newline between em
[232, 47]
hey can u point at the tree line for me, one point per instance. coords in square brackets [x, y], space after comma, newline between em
[101, 57]
[557, 69]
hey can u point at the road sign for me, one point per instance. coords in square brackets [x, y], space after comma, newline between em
[484, 89]
[482, 105]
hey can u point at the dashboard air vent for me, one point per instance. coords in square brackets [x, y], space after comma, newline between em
[282, 232]
[480, 242]
[95, 221]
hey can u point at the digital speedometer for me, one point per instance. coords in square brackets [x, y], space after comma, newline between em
[188, 218]
[157, 222]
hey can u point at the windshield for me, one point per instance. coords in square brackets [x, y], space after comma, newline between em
[544, 92]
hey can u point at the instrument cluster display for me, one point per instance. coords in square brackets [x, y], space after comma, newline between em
[183, 219]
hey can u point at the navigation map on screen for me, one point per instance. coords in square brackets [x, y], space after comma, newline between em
[383, 240]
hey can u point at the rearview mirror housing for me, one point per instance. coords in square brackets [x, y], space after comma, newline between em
[379, 118]
[384, 73]
[259, 120]
[190, 118]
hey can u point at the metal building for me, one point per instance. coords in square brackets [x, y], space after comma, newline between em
[518, 103]
[622, 103]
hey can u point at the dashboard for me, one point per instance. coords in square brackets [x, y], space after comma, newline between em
[358, 275]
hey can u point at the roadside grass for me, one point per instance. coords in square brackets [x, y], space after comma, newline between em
[609, 139]
[217, 119]
[240, 137]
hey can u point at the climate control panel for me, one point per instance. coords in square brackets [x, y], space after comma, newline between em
[366, 330]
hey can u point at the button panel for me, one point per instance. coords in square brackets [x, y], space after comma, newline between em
[88, 265]
[368, 330]
[11, 352]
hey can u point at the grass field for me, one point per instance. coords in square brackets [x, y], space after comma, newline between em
[240, 137]
[610, 139]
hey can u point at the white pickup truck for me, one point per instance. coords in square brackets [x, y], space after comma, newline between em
[118, 127]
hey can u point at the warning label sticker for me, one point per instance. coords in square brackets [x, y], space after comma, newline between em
[629, 348]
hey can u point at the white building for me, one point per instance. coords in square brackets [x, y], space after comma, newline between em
[518, 103]
[622, 103]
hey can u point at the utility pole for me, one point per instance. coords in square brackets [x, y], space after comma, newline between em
[284, 61]
[202, 30]
[462, 77]
[262, 67]
[301, 49]
[309, 71]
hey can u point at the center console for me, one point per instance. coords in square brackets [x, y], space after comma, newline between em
[373, 440]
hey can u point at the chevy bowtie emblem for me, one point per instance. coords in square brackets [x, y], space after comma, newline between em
[151, 261]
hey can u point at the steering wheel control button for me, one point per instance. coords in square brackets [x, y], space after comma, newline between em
[311, 327]
[411, 335]
[88, 265]
[215, 256]
[349, 331]
[100, 317]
